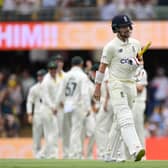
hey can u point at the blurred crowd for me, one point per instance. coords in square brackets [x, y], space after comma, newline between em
[157, 106]
[13, 93]
[14, 89]
[72, 10]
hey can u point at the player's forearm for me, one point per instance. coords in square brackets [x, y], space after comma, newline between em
[107, 94]
[139, 88]
[102, 67]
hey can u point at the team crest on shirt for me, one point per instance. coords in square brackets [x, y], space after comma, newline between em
[120, 50]
[122, 94]
[133, 49]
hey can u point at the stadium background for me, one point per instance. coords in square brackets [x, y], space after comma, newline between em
[20, 57]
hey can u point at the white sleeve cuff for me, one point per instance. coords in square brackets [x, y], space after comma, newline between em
[99, 77]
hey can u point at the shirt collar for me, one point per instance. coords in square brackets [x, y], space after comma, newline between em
[122, 43]
[60, 74]
[54, 79]
[77, 68]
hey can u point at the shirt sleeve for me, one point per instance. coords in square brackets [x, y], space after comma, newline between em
[139, 47]
[107, 54]
[85, 92]
[46, 95]
[30, 100]
[106, 76]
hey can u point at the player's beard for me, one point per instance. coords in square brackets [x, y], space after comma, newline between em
[124, 35]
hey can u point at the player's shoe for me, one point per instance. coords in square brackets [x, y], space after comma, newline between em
[109, 158]
[120, 160]
[40, 155]
[52, 156]
[139, 155]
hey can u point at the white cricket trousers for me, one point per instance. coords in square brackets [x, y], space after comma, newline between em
[72, 130]
[122, 96]
[50, 126]
[138, 112]
[38, 131]
[104, 121]
[88, 131]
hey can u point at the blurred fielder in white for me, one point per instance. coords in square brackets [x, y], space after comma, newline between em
[74, 93]
[104, 115]
[35, 115]
[50, 86]
[140, 103]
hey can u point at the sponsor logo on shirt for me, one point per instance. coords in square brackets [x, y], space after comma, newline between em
[120, 50]
[125, 61]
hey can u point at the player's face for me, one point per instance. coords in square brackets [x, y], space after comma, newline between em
[52, 71]
[60, 64]
[39, 78]
[125, 32]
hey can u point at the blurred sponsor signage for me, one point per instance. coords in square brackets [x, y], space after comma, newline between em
[75, 35]
[156, 148]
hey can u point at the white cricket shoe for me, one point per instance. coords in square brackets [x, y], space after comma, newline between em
[40, 155]
[109, 158]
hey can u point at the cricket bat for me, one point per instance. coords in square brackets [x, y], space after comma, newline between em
[140, 54]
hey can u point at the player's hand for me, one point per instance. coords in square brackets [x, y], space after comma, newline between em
[140, 59]
[135, 61]
[105, 108]
[30, 118]
[97, 92]
[54, 111]
[62, 105]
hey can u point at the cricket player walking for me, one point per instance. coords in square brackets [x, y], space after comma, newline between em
[74, 93]
[120, 55]
[35, 115]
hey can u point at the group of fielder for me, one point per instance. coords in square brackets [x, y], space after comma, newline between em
[107, 105]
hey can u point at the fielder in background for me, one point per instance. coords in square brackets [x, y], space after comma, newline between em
[89, 123]
[140, 103]
[59, 60]
[73, 94]
[120, 55]
[104, 115]
[35, 115]
[49, 90]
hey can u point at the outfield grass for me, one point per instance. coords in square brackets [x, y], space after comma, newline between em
[30, 163]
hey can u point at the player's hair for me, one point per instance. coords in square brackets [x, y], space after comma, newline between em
[41, 72]
[77, 60]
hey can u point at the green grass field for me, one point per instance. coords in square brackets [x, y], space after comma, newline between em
[30, 163]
